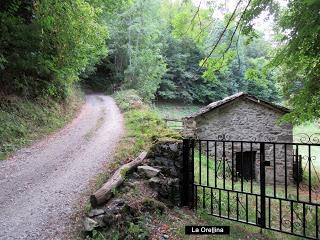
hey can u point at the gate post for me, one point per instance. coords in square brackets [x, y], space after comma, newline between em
[187, 180]
[262, 219]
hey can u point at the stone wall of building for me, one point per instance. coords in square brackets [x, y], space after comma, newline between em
[244, 120]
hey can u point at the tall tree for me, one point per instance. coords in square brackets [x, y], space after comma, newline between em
[241, 68]
[135, 61]
[46, 44]
[297, 58]
[300, 58]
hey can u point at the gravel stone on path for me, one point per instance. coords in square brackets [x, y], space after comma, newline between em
[40, 185]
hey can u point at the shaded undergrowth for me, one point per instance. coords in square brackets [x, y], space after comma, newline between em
[23, 120]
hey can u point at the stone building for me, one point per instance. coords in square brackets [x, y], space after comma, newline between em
[243, 117]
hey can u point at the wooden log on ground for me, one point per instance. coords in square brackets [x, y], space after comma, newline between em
[106, 191]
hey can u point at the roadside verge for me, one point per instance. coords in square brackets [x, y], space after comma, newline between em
[22, 121]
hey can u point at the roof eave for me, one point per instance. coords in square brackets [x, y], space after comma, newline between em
[241, 95]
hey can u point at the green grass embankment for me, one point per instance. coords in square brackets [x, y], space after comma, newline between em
[22, 120]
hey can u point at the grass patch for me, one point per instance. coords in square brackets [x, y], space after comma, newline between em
[100, 179]
[307, 128]
[144, 126]
[246, 207]
[22, 121]
[300, 134]
[175, 110]
[173, 222]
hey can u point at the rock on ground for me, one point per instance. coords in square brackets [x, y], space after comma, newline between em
[89, 224]
[148, 171]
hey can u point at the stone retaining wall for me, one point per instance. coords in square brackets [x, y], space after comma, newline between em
[166, 155]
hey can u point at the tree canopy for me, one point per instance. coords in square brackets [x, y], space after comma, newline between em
[173, 50]
[45, 45]
[296, 59]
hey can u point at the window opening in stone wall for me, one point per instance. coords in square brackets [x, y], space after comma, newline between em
[245, 164]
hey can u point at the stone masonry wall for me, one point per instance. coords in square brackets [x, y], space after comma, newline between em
[248, 121]
[166, 155]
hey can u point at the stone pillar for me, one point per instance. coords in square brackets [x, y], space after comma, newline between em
[167, 155]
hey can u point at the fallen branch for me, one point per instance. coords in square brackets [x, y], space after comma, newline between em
[106, 191]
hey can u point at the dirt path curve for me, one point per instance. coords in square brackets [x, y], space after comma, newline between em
[40, 185]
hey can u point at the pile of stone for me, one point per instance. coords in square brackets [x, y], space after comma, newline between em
[116, 211]
[161, 171]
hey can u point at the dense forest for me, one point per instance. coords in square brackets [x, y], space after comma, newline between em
[156, 49]
[179, 50]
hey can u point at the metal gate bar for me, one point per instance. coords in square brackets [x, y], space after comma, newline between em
[271, 190]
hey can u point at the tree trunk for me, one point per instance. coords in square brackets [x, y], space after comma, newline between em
[106, 191]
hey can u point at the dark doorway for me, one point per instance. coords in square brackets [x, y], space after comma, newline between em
[245, 164]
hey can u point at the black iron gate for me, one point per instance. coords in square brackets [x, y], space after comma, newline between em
[273, 185]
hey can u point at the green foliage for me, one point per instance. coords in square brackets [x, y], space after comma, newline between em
[244, 67]
[128, 100]
[217, 65]
[135, 60]
[252, 74]
[137, 231]
[96, 235]
[298, 60]
[145, 72]
[23, 121]
[74, 37]
[183, 80]
[45, 53]
[224, 73]
[185, 22]
[155, 47]
[144, 126]
[175, 110]
[128, 229]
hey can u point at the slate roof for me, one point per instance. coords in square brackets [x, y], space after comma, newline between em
[217, 104]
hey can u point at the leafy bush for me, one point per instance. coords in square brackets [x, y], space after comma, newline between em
[144, 126]
[128, 100]
[46, 44]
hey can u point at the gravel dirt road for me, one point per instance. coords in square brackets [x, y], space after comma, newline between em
[40, 185]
